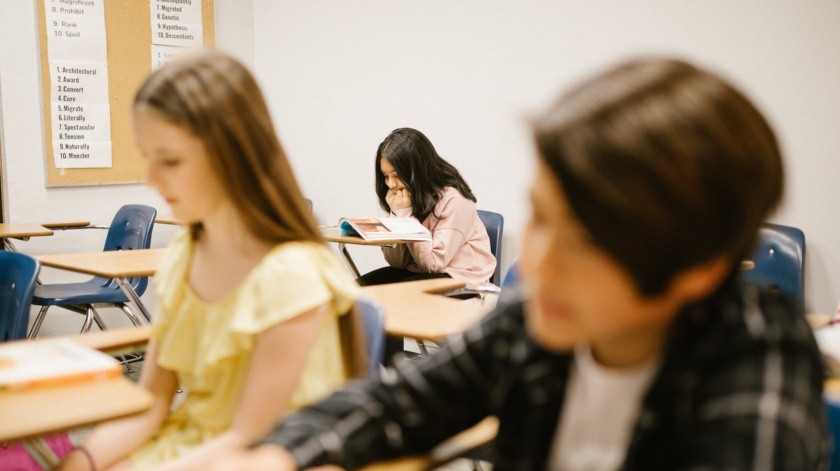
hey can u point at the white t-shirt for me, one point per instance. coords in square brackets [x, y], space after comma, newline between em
[598, 413]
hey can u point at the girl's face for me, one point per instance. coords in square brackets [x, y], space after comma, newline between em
[392, 181]
[578, 293]
[178, 167]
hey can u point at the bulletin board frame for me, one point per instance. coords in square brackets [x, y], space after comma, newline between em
[128, 30]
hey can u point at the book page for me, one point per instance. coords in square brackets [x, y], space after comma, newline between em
[39, 363]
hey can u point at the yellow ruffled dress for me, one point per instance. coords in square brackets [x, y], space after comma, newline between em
[208, 344]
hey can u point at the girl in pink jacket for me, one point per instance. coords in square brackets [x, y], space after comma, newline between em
[412, 180]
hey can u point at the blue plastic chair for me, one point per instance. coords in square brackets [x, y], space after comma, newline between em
[510, 282]
[495, 225]
[18, 275]
[131, 229]
[832, 409]
[779, 260]
[373, 320]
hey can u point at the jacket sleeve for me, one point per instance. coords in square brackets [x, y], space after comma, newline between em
[455, 215]
[409, 409]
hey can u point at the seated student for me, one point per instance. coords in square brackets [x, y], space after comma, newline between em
[252, 305]
[412, 180]
[636, 347]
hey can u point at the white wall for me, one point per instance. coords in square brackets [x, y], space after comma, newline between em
[27, 199]
[340, 75]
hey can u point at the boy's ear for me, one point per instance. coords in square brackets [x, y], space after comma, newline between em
[697, 282]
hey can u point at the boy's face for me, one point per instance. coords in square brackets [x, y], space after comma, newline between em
[578, 293]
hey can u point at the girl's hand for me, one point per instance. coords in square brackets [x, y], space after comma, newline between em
[398, 199]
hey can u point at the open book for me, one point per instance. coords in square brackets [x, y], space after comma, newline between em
[388, 228]
[51, 362]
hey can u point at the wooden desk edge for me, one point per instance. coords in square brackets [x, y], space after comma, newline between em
[41, 399]
[167, 220]
[66, 225]
[475, 436]
[115, 340]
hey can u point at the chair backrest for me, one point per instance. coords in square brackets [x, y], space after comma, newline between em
[495, 225]
[131, 229]
[832, 409]
[18, 273]
[511, 281]
[373, 319]
[779, 260]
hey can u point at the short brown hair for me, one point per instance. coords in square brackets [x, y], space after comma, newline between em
[214, 97]
[665, 164]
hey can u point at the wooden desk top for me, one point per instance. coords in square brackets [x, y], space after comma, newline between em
[412, 309]
[52, 409]
[111, 264]
[167, 220]
[23, 230]
[66, 224]
[469, 439]
[115, 341]
[333, 234]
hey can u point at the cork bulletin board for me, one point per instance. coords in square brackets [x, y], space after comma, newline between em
[128, 30]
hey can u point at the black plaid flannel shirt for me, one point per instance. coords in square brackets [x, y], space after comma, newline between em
[739, 387]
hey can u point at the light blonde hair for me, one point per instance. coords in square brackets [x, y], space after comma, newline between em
[215, 98]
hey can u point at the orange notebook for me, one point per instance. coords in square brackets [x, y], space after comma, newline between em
[44, 363]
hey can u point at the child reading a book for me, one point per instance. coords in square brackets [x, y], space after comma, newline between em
[252, 317]
[637, 346]
[412, 180]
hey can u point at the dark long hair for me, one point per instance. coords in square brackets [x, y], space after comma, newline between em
[419, 166]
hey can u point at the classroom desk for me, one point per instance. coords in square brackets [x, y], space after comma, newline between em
[29, 414]
[469, 439]
[65, 225]
[330, 234]
[333, 234]
[115, 342]
[414, 310]
[167, 220]
[21, 231]
[117, 264]
[32, 413]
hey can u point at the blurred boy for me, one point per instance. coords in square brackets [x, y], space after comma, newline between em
[636, 347]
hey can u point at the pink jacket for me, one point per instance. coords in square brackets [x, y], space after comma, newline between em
[460, 246]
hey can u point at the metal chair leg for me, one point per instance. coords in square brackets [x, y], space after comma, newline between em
[131, 316]
[39, 319]
[89, 313]
[98, 319]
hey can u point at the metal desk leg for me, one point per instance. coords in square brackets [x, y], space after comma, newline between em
[41, 452]
[132, 296]
[342, 247]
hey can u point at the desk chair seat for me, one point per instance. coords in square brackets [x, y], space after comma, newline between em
[18, 275]
[131, 229]
[495, 225]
